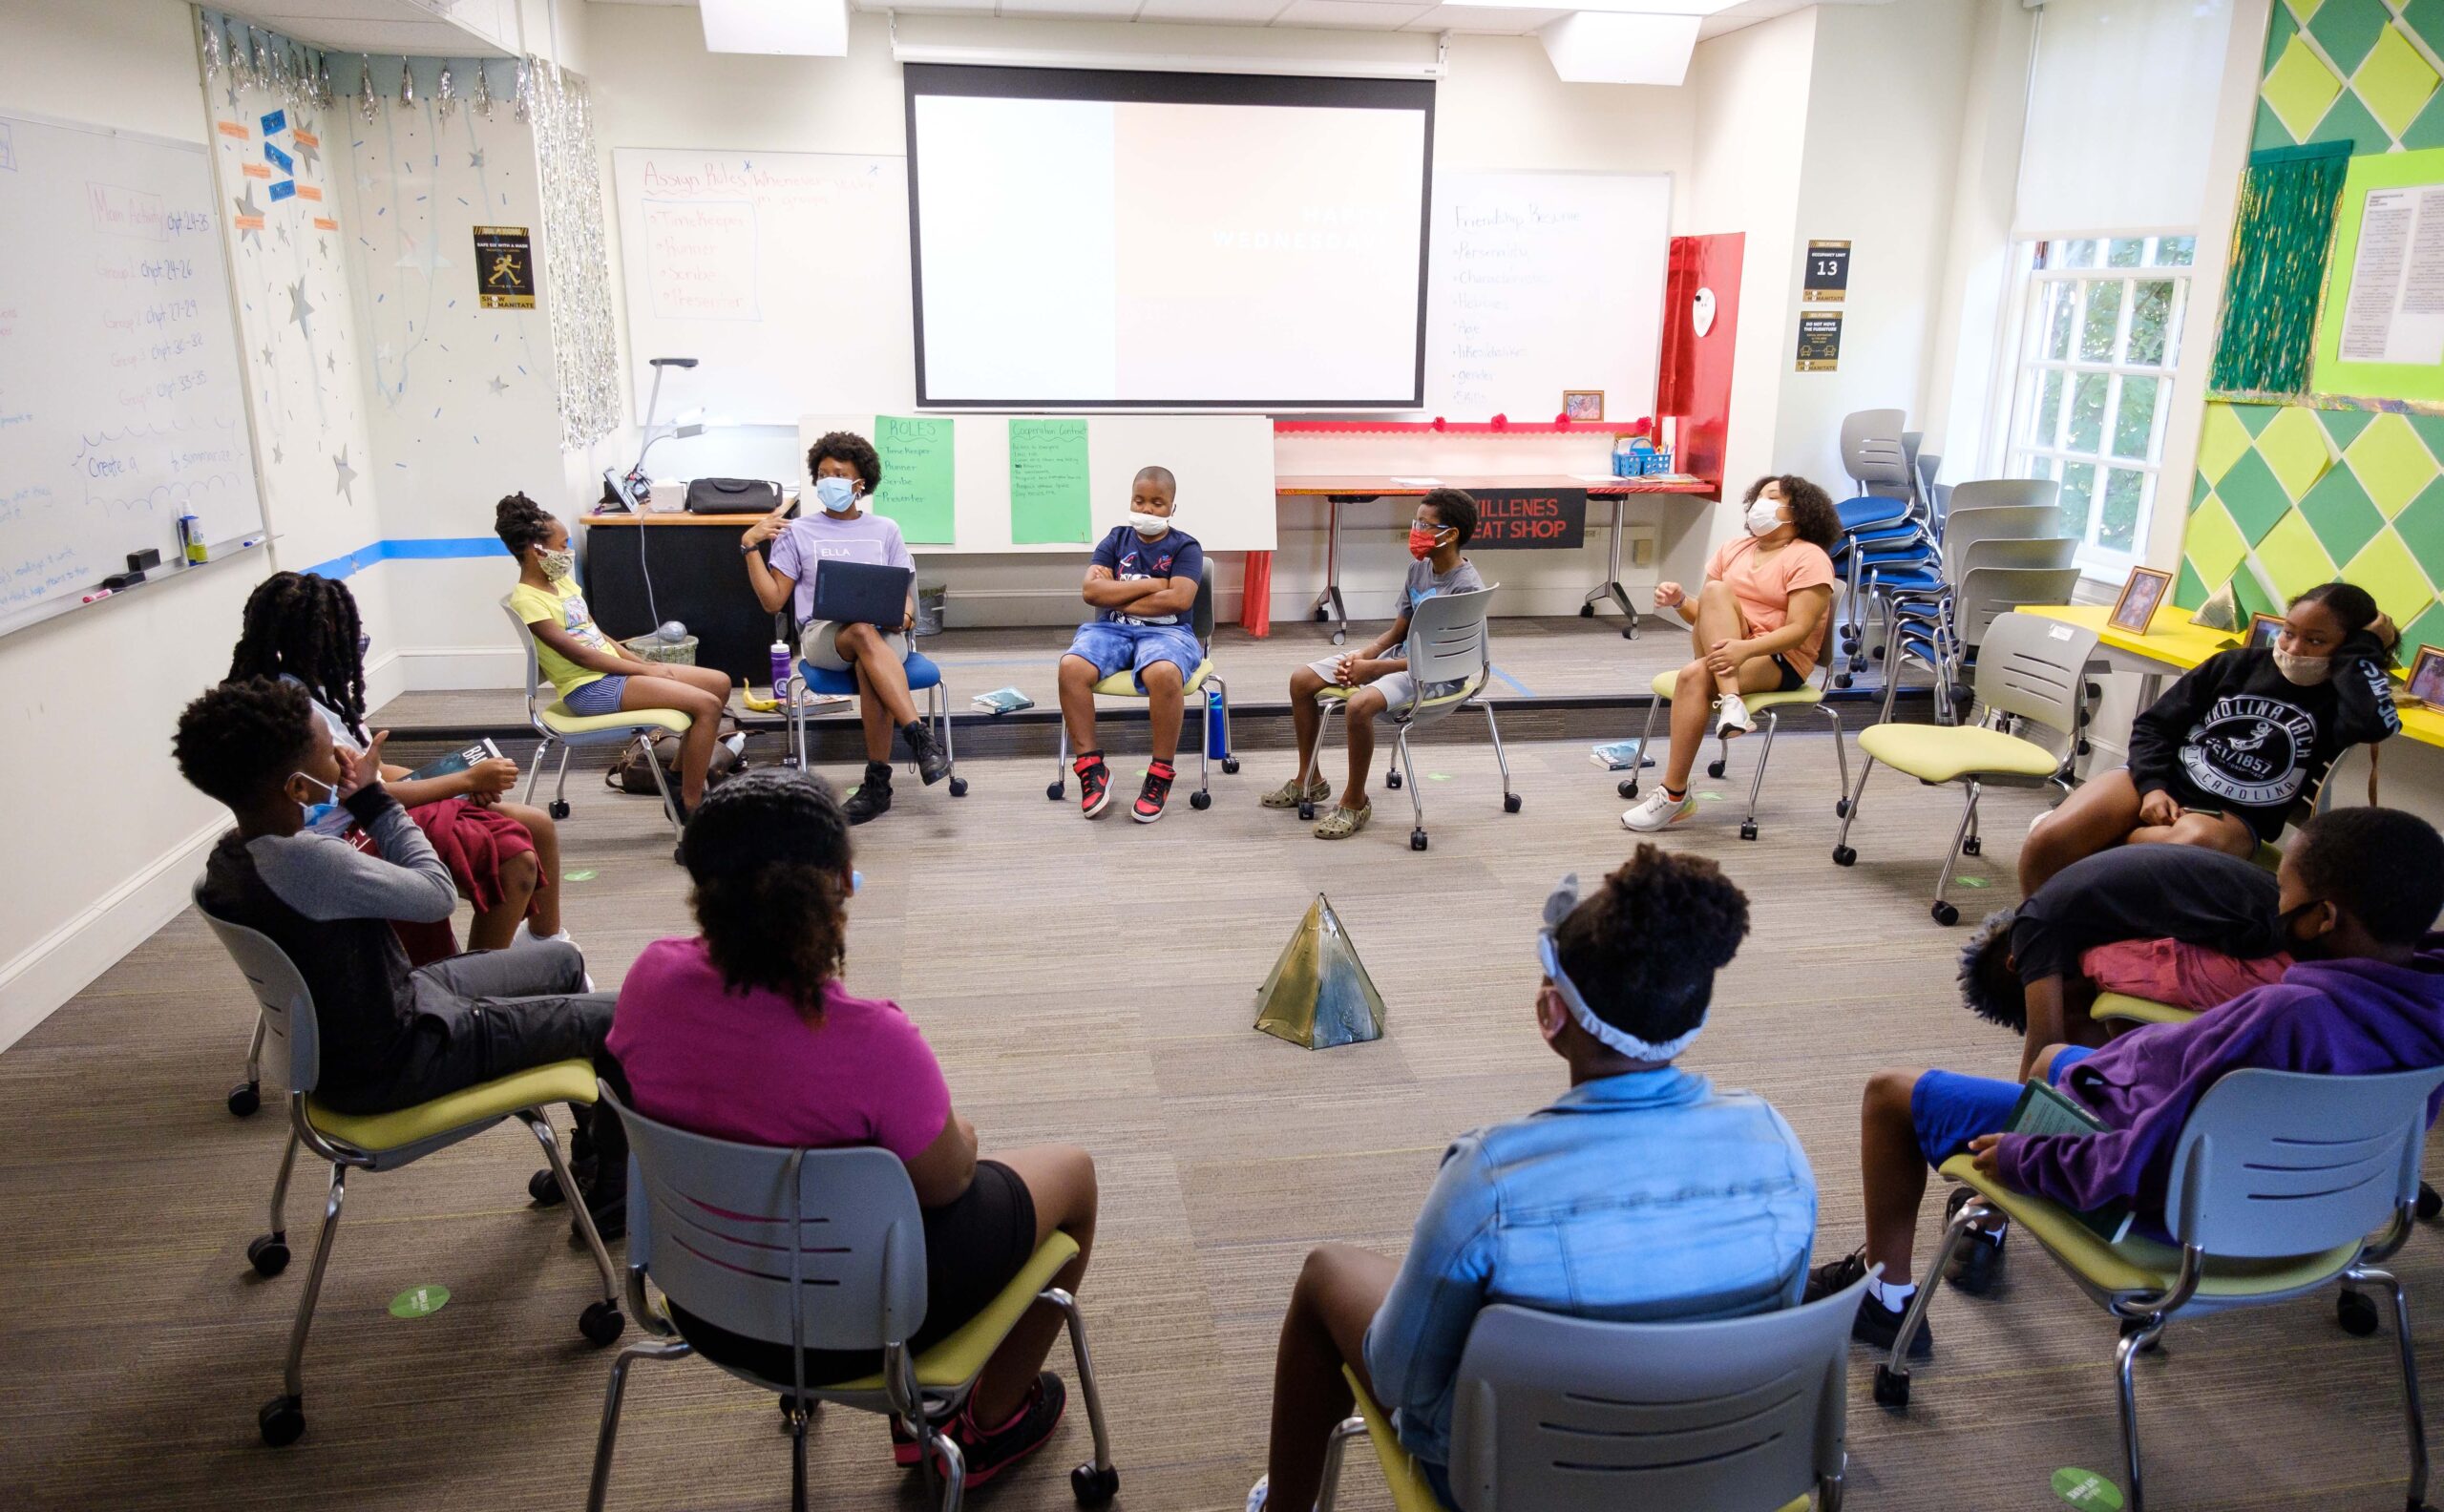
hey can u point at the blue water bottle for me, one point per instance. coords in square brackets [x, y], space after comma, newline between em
[1217, 725]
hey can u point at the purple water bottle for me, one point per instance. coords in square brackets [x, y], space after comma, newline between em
[781, 670]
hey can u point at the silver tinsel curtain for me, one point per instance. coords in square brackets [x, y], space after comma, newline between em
[576, 261]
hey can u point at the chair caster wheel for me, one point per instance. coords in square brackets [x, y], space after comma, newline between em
[1055, 792]
[602, 1322]
[2428, 1203]
[269, 1254]
[1945, 913]
[1840, 680]
[1876, 653]
[1200, 800]
[1629, 787]
[1509, 803]
[1890, 1390]
[560, 809]
[1974, 844]
[1417, 839]
[282, 1420]
[1748, 831]
[1841, 807]
[1306, 814]
[545, 1188]
[246, 1099]
[1229, 766]
[1093, 1487]
[1392, 778]
[1586, 611]
[1715, 770]
[1844, 855]
[2356, 1313]
[959, 787]
[1629, 632]
[1320, 615]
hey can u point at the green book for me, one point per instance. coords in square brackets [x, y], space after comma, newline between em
[2046, 1110]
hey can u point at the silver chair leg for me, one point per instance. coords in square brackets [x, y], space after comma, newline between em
[1646, 735]
[1898, 1365]
[294, 1380]
[954, 1471]
[608, 1438]
[1951, 857]
[2414, 1414]
[798, 1415]
[1324, 710]
[280, 1189]
[1841, 753]
[255, 1054]
[1843, 854]
[2124, 1352]
[1509, 799]
[1203, 738]
[661, 786]
[540, 1124]
[1757, 780]
[560, 793]
[535, 771]
[1060, 762]
[1408, 774]
[941, 695]
[1336, 1447]
[1077, 1326]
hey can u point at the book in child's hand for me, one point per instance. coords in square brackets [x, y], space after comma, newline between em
[1619, 756]
[2048, 1110]
[1002, 701]
[456, 760]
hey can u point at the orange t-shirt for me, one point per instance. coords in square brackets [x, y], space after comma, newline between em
[1763, 584]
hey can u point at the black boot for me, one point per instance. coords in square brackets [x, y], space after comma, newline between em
[873, 795]
[930, 763]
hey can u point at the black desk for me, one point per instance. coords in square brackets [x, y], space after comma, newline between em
[698, 579]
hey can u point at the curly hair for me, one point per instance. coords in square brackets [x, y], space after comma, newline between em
[1643, 952]
[308, 627]
[2383, 867]
[1812, 509]
[239, 741]
[520, 523]
[1455, 508]
[1990, 985]
[845, 445]
[2355, 608]
[769, 852]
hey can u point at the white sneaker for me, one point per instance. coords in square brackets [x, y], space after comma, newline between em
[1733, 718]
[527, 937]
[1658, 810]
[1256, 1494]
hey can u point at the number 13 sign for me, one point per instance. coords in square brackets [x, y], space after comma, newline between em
[1829, 273]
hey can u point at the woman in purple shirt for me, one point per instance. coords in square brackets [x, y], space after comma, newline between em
[745, 1033]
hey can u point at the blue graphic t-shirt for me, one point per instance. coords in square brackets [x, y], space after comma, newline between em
[1131, 557]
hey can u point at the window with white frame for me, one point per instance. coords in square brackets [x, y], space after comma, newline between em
[2097, 349]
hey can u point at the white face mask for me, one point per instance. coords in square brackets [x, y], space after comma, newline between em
[2305, 671]
[1150, 525]
[1765, 516]
[558, 566]
[837, 495]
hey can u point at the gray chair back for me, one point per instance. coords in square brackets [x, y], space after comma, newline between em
[1556, 1414]
[823, 1247]
[1873, 455]
[1987, 592]
[534, 666]
[1447, 638]
[2006, 494]
[1967, 524]
[2286, 1162]
[292, 1050]
[1201, 613]
[2035, 668]
[2041, 552]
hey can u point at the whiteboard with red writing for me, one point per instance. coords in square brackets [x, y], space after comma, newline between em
[121, 403]
[785, 274]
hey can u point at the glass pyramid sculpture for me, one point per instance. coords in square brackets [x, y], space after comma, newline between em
[1319, 994]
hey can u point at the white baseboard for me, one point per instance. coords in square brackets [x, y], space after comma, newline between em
[426, 669]
[64, 962]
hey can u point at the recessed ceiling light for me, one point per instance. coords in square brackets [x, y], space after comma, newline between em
[1652, 7]
[800, 28]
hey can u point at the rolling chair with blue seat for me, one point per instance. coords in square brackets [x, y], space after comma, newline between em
[924, 676]
[1123, 684]
[557, 726]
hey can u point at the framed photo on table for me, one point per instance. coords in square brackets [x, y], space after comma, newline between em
[2139, 596]
[2265, 627]
[2427, 677]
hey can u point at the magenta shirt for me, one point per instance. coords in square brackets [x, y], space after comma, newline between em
[746, 1066]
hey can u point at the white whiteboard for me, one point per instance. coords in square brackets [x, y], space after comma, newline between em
[785, 273]
[1224, 465]
[1542, 281]
[121, 402]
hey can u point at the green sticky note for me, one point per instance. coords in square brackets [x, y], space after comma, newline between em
[2085, 1488]
[1438, 776]
[417, 1302]
[917, 477]
[1709, 796]
[578, 876]
[1049, 496]
[1969, 881]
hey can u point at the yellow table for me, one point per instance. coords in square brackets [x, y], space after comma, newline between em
[2171, 643]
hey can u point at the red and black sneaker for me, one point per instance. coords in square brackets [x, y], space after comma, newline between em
[990, 1451]
[1094, 784]
[1149, 807]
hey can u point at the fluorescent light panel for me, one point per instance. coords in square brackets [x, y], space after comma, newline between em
[1637, 8]
[1592, 48]
[798, 27]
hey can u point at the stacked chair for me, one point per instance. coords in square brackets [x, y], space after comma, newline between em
[2002, 548]
[1888, 538]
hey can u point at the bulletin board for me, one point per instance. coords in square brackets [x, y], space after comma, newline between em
[2380, 326]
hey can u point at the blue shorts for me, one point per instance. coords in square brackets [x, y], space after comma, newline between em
[602, 696]
[1947, 1109]
[1116, 647]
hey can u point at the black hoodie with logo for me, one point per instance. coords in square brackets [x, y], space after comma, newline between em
[2238, 736]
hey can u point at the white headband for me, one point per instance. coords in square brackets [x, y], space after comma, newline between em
[1557, 908]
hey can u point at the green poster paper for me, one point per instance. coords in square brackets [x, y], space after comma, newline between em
[917, 477]
[2400, 254]
[1049, 497]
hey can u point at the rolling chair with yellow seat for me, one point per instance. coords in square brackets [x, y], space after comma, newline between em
[1204, 686]
[380, 1142]
[1768, 704]
[557, 726]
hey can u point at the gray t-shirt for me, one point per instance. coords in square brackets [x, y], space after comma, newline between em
[1423, 583]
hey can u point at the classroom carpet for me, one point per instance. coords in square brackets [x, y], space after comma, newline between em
[1092, 983]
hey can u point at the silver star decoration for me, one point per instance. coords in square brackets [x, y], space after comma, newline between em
[232, 92]
[282, 230]
[346, 473]
[476, 158]
[331, 361]
[300, 308]
[499, 387]
[266, 355]
[275, 453]
[247, 207]
[306, 152]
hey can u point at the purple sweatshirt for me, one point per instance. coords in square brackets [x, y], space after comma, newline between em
[2344, 1017]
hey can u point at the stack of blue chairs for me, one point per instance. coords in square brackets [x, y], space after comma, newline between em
[1889, 537]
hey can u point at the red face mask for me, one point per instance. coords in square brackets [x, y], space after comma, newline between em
[1421, 541]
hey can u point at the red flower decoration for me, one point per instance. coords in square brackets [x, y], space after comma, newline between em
[1562, 419]
[1501, 422]
[1440, 423]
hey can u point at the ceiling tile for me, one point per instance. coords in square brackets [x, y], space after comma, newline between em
[1492, 20]
[1243, 12]
[1070, 9]
[1365, 16]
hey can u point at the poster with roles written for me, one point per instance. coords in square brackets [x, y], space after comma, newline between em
[2380, 328]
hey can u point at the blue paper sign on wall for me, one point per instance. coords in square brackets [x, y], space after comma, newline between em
[279, 159]
[275, 123]
[283, 190]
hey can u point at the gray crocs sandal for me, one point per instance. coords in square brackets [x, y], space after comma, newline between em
[1286, 796]
[1343, 823]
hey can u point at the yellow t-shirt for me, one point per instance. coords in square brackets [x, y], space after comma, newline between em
[564, 607]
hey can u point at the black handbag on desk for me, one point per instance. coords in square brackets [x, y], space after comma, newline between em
[732, 497]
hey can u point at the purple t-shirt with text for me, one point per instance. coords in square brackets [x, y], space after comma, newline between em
[812, 539]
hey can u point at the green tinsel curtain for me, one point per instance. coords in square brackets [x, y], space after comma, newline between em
[2279, 241]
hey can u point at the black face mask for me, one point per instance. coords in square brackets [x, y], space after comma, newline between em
[2301, 949]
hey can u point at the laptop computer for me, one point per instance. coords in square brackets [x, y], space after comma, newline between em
[862, 593]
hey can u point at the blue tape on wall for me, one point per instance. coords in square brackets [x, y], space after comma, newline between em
[431, 548]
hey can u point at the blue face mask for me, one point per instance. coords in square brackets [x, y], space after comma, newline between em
[327, 817]
[836, 494]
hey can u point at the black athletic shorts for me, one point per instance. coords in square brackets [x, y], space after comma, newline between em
[973, 1245]
[1792, 682]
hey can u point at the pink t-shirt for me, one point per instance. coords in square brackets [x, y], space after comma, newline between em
[1763, 584]
[745, 1066]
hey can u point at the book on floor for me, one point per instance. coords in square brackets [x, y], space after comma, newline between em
[456, 760]
[2048, 1110]
[1619, 756]
[1002, 701]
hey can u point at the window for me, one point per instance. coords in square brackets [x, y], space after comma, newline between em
[2094, 379]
